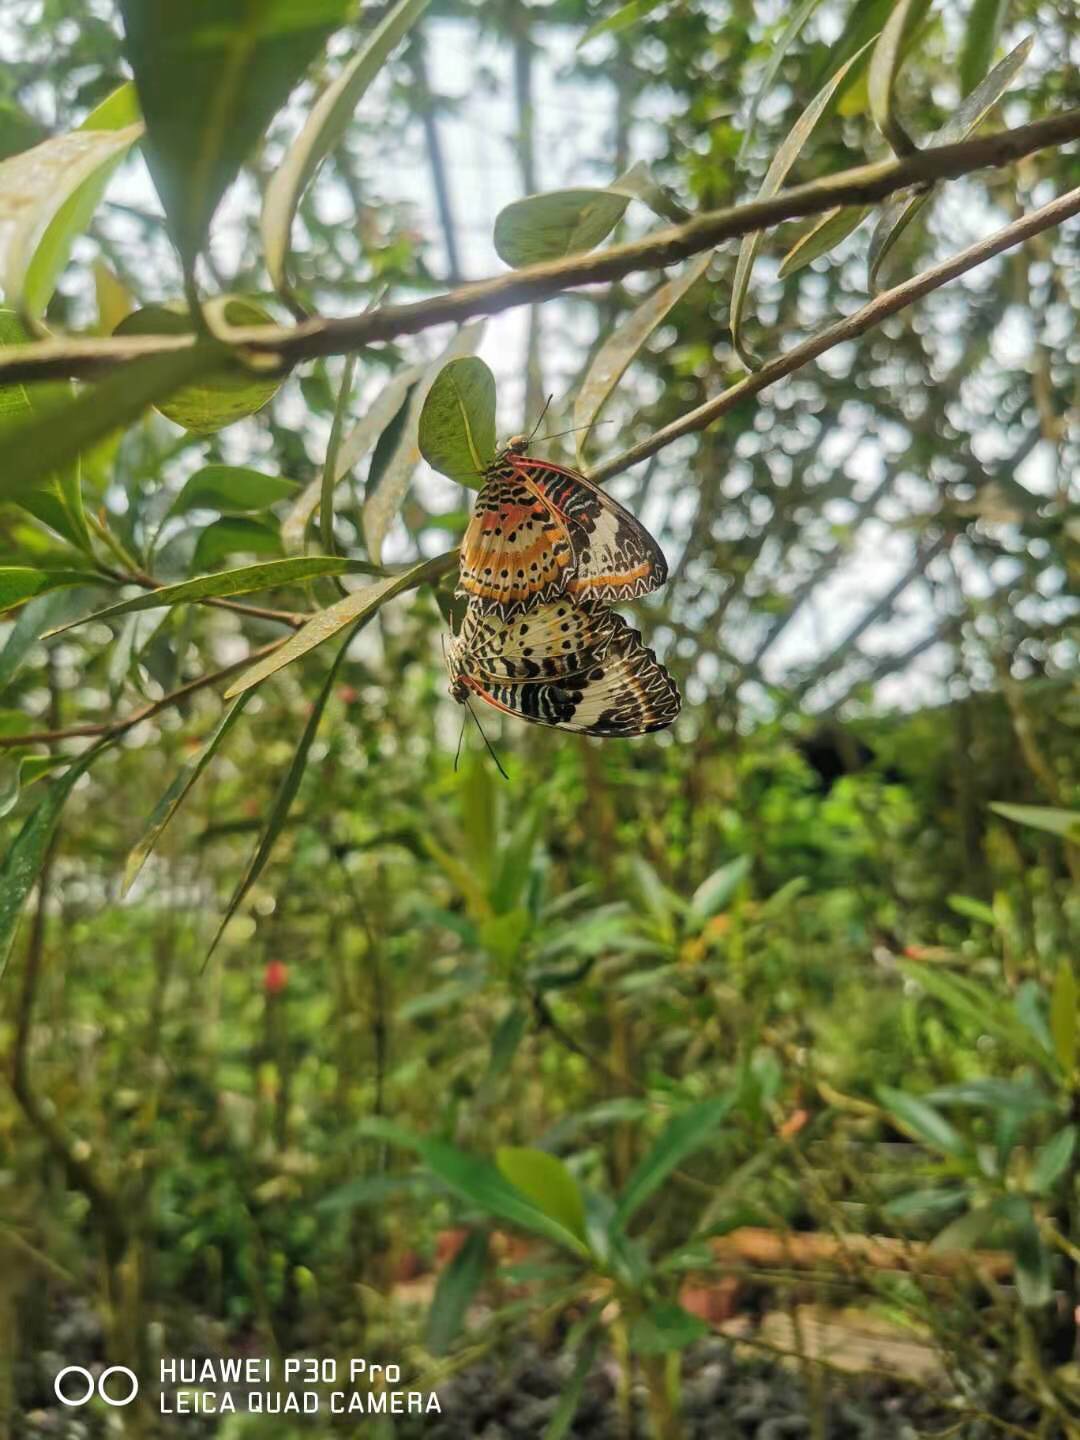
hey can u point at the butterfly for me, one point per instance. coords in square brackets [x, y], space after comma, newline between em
[563, 665]
[539, 530]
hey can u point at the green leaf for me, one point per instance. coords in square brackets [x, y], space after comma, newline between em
[234, 535]
[713, 894]
[457, 1285]
[1064, 1017]
[547, 1182]
[885, 65]
[973, 1002]
[621, 19]
[21, 771]
[639, 183]
[324, 128]
[32, 621]
[985, 21]
[921, 1120]
[176, 794]
[231, 489]
[479, 1183]
[619, 349]
[282, 804]
[19, 582]
[508, 1036]
[358, 607]
[329, 478]
[47, 196]
[41, 446]
[23, 861]
[991, 1094]
[231, 392]
[665, 1327]
[210, 75]
[559, 1425]
[230, 582]
[560, 223]
[823, 235]
[384, 501]
[787, 37]
[775, 176]
[1034, 1278]
[457, 421]
[919, 1204]
[901, 210]
[972, 909]
[1055, 821]
[1053, 1160]
[684, 1134]
[58, 503]
[32, 293]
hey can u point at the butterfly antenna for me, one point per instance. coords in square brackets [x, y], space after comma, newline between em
[540, 420]
[575, 428]
[487, 742]
[460, 738]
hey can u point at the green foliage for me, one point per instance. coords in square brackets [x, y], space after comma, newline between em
[457, 422]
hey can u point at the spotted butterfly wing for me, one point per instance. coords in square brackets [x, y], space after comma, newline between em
[539, 530]
[550, 641]
[623, 692]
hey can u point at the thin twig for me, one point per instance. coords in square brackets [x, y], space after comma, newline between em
[145, 712]
[864, 319]
[862, 185]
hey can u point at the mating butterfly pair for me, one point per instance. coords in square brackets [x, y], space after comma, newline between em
[545, 552]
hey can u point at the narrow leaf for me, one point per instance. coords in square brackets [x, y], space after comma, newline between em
[354, 608]
[22, 770]
[621, 19]
[230, 489]
[330, 464]
[326, 124]
[824, 235]
[45, 185]
[382, 505]
[210, 75]
[665, 1327]
[775, 176]
[619, 349]
[23, 861]
[457, 1285]
[885, 65]
[39, 447]
[19, 582]
[118, 111]
[1065, 1017]
[1065, 823]
[559, 1425]
[478, 1183]
[898, 212]
[176, 794]
[985, 21]
[922, 1120]
[685, 1133]
[547, 1182]
[230, 582]
[787, 37]
[286, 794]
[457, 421]
[234, 535]
[713, 894]
[1053, 1160]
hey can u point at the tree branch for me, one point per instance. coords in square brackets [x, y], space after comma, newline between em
[864, 319]
[862, 185]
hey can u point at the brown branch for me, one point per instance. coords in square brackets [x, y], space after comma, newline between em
[864, 319]
[145, 712]
[862, 185]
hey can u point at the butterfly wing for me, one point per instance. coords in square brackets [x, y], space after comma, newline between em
[614, 558]
[625, 692]
[552, 640]
[516, 551]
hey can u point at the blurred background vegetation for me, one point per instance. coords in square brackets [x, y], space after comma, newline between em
[577, 1096]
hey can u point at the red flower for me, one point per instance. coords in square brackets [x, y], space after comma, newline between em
[275, 977]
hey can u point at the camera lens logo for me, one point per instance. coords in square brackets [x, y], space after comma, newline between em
[92, 1385]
